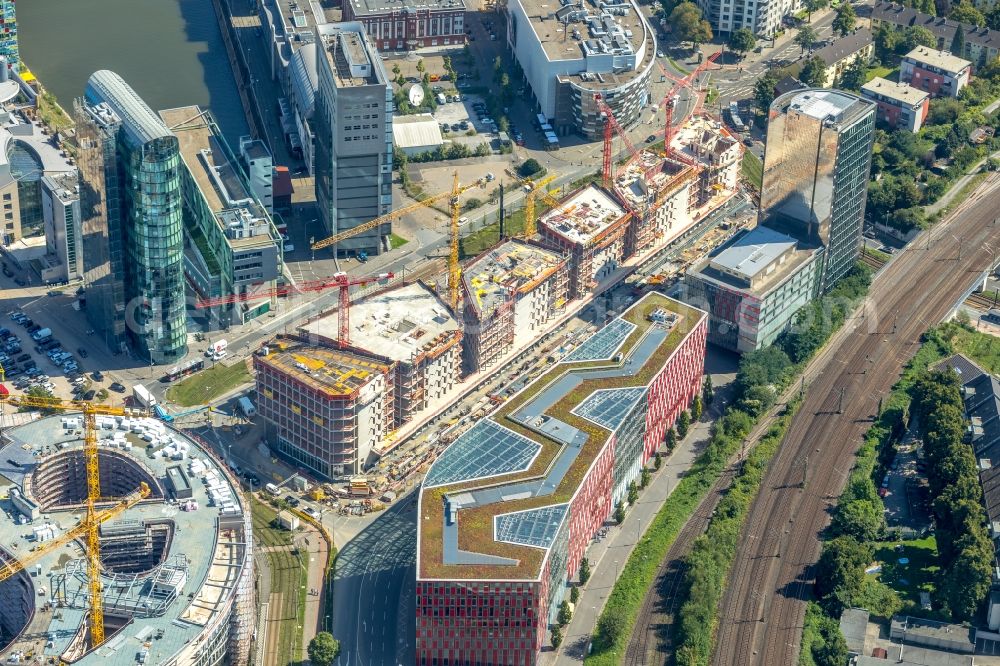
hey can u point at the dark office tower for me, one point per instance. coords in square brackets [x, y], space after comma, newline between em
[132, 203]
[816, 164]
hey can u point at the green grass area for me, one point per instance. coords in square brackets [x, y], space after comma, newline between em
[586, 180]
[753, 169]
[912, 578]
[885, 72]
[289, 579]
[198, 238]
[962, 194]
[205, 386]
[878, 254]
[478, 241]
[396, 240]
[678, 66]
[982, 348]
[51, 113]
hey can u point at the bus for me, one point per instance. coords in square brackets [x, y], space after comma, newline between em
[734, 117]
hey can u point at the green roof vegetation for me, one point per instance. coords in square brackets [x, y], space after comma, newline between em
[476, 524]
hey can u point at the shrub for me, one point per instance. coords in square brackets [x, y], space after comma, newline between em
[565, 614]
[557, 638]
[529, 168]
[584, 571]
[574, 594]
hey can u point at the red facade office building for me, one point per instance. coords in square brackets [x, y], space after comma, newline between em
[508, 510]
[403, 25]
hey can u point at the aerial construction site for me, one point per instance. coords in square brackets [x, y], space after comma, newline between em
[161, 523]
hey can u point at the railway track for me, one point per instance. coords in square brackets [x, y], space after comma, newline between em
[763, 607]
[980, 302]
[872, 262]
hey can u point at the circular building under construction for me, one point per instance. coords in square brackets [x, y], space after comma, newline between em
[176, 581]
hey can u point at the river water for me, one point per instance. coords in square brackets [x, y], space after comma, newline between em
[169, 51]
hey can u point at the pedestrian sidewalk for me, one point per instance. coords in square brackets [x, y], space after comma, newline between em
[608, 556]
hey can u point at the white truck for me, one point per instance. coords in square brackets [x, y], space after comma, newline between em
[246, 407]
[217, 349]
[142, 396]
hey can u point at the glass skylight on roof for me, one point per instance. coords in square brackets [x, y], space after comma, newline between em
[604, 343]
[608, 407]
[486, 449]
[534, 527]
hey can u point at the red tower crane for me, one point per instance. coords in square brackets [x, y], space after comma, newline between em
[611, 123]
[668, 99]
[341, 280]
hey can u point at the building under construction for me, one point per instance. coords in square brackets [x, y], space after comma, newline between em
[510, 292]
[663, 192]
[325, 408]
[718, 154]
[177, 579]
[415, 330]
[590, 227]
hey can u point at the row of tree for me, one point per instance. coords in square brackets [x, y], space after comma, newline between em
[965, 550]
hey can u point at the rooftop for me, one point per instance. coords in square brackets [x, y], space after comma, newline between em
[140, 123]
[511, 268]
[495, 500]
[637, 188]
[898, 92]
[206, 156]
[942, 28]
[336, 373]
[363, 7]
[398, 324]
[584, 216]
[416, 131]
[829, 106]
[707, 141]
[755, 261]
[64, 186]
[845, 47]
[607, 41]
[353, 60]
[197, 576]
[942, 60]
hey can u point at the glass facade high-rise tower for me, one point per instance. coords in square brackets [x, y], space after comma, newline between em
[816, 166]
[132, 178]
[8, 34]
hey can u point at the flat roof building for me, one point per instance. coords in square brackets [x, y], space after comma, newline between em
[507, 511]
[899, 105]
[63, 230]
[353, 125]
[325, 408]
[409, 24]
[510, 292]
[231, 246]
[816, 165]
[937, 72]
[664, 193]
[589, 226]
[753, 286]
[572, 53]
[717, 152]
[416, 134]
[410, 329]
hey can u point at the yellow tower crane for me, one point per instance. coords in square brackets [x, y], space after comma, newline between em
[529, 203]
[454, 269]
[91, 521]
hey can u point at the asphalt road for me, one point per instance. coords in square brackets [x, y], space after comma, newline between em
[761, 615]
[374, 593]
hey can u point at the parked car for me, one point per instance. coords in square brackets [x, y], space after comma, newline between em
[82, 352]
[97, 376]
[23, 357]
[89, 395]
[117, 387]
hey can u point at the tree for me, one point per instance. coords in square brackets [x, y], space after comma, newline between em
[557, 638]
[633, 493]
[966, 12]
[645, 477]
[323, 649]
[611, 625]
[420, 66]
[658, 461]
[619, 515]
[862, 519]
[966, 582]
[41, 393]
[993, 18]
[814, 6]
[846, 19]
[574, 594]
[958, 42]
[696, 408]
[584, 571]
[102, 395]
[503, 125]
[840, 572]
[763, 92]
[670, 438]
[833, 650]
[565, 614]
[497, 68]
[807, 37]
[853, 76]
[529, 168]
[813, 72]
[689, 26]
[707, 390]
[742, 41]
[918, 35]
[683, 423]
